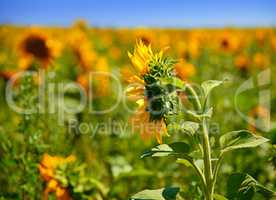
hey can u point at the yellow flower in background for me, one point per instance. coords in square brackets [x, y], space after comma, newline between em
[229, 41]
[102, 77]
[273, 42]
[7, 74]
[261, 60]
[164, 39]
[147, 36]
[83, 80]
[47, 168]
[184, 70]
[261, 35]
[80, 24]
[3, 58]
[115, 52]
[241, 62]
[36, 44]
[189, 49]
[82, 49]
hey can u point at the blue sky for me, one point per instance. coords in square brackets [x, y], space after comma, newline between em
[157, 13]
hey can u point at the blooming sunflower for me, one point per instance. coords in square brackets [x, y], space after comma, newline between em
[229, 42]
[35, 44]
[149, 92]
[47, 168]
[184, 70]
[241, 62]
[82, 49]
[261, 60]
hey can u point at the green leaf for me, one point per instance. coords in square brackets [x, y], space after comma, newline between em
[240, 139]
[119, 166]
[168, 193]
[187, 127]
[219, 197]
[176, 82]
[207, 114]
[190, 127]
[265, 191]
[242, 186]
[207, 86]
[185, 162]
[177, 148]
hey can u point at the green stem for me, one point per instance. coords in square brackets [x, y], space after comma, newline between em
[207, 160]
[192, 96]
[200, 174]
[216, 170]
[206, 144]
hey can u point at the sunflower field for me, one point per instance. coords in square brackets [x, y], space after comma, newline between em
[137, 113]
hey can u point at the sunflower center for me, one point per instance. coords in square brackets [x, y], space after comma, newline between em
[225, 43]
[37, 47]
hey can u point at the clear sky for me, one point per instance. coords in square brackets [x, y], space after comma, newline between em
[158, 13]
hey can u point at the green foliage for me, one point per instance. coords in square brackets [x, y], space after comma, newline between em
[160, 88]
[209, 85]
[168, 193]
[240, 139]
[238, 187]
[108, 166]
[242, 186]
[177, 149]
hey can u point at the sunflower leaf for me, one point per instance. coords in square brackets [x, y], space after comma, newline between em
[177, 148]
[240, 139]
[209, 85]
[242, 186]
[168, 193]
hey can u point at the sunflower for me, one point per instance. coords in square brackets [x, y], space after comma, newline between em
[273, 42]
[189, 49]
[229, 42]
[241, 62]
[35, 44]
[7, 74]
[148, 91]
[261, 60]
[102, 80]
[184, 70]
[47, 168]
[82, 49]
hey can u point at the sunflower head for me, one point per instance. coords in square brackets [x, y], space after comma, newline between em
[155, 95]
[37, 45]
[242, 62]
[157, 91]
[229, 42]
[82, 49]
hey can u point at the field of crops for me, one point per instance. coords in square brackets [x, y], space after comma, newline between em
[82, 108]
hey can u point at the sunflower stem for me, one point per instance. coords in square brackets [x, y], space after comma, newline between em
[207, 161]
[208, 174]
